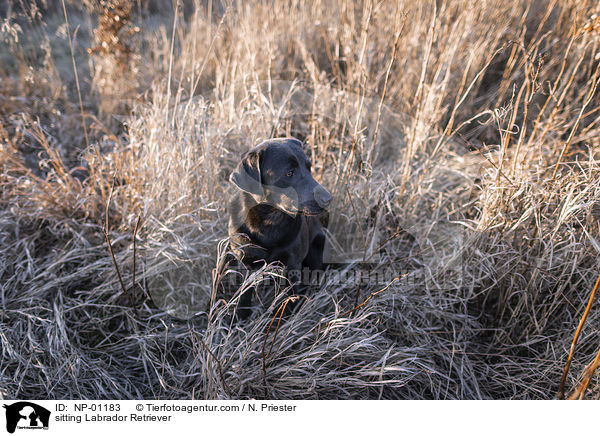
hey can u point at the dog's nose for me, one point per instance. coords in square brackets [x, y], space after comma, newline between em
[322, 197]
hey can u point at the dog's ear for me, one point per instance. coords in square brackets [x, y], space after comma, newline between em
[297, 143]
[247, 175]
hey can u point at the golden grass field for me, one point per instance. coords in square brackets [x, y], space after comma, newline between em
[460, 141]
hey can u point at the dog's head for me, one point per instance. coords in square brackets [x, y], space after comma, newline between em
[277, 172]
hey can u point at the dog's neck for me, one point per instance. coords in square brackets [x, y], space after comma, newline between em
[264, 215]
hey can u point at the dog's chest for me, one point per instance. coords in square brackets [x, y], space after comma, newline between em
[284, 238]
[269, 227]
[292, 249]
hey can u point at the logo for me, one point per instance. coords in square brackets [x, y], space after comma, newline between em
[26, 415]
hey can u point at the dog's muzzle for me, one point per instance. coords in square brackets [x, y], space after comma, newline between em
[322, 197]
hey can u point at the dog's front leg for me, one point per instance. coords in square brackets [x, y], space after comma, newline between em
[294, 276]
[293, 273]
[244, 307]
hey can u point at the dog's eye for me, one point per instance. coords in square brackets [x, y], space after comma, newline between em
[290, 173]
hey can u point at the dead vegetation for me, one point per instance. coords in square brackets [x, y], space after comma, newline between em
[472, 127]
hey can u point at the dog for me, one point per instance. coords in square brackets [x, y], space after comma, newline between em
[279, 210]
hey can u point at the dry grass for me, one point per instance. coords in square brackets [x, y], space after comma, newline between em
[467, 133]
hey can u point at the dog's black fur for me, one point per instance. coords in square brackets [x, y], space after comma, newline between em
[279, 210]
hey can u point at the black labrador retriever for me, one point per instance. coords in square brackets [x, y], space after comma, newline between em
[277, 213]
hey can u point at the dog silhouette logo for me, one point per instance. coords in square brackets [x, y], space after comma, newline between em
[26, 415]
